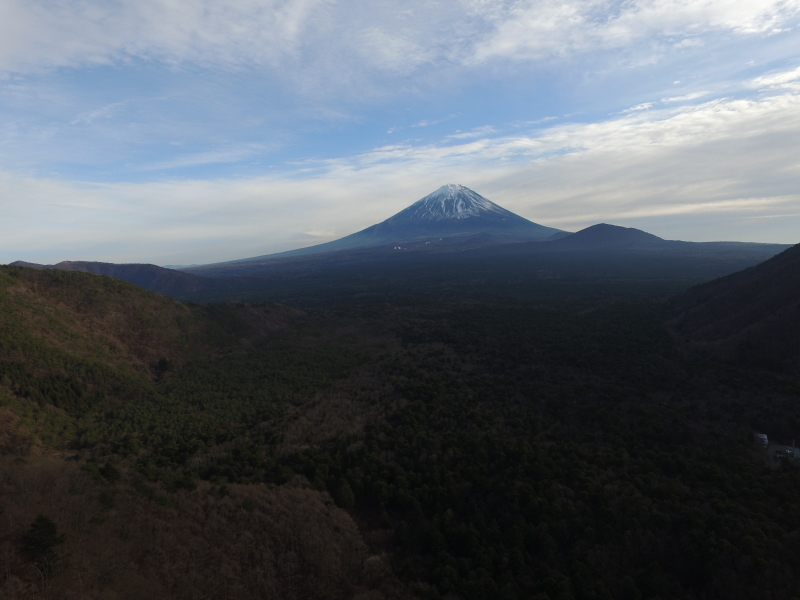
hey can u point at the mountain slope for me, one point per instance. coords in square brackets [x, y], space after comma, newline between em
[100, 383]
[150, 277]
[52, 316]
[72, 341]
[451, 211]
[751, 317]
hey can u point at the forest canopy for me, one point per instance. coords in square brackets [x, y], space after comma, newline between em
[547, 437]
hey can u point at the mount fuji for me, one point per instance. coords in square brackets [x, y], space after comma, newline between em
[452, 213]
[455, 209]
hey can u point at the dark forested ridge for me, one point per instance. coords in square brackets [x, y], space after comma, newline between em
[750, 317]
[150, 277]
[499, 427]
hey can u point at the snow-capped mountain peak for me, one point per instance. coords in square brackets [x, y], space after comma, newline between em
[451, 201]
[450, 216]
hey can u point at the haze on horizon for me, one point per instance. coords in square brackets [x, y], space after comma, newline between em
[177, 132]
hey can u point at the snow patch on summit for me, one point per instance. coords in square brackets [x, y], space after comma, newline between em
[451, 201]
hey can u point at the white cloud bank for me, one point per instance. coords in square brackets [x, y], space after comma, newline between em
[534, 29]
[725, 169]
[35, 34]
[392, 35]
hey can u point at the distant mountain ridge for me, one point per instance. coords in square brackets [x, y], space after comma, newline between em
[455, 218]
[451, 222]
[150, 277]
[452, 211]
[613, 239]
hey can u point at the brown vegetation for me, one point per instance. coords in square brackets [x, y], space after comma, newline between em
[15, 438]
[128, 540]
[111, 321]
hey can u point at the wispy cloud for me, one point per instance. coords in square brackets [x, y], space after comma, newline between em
[689, 42]
[391, 51]
[104, 112]
[785, 79]
[228, 155]
[477, 132]
[685, 97]
[429, 122]
[538, 121]
[638, 107]
[534, 29]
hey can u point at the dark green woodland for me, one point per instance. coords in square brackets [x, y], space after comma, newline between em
[493, 428]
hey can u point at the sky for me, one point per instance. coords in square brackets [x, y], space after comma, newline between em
[193, 131]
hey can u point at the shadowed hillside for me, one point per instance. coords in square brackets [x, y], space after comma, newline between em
[76, 314]
[150, 277]
[72, 344]
[750, 317]
[100, 381]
